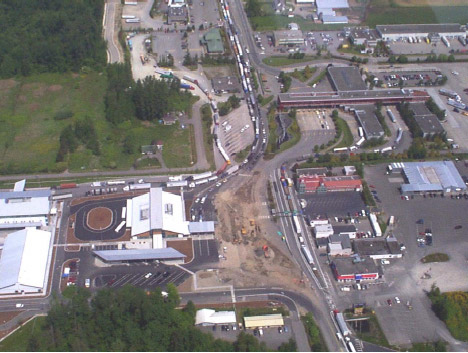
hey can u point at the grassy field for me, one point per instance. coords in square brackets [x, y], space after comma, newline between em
[205, 112]
[347, 139]
[284, 60]
[436, 257]
[18, 341]
[28, 128]
[416, 14]
[302, 75]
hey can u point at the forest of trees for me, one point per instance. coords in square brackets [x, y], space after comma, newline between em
[131, 319]
[50, 36]
[148, 100]
[81, 132]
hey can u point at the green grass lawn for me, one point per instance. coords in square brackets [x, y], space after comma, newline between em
[421, 14]
[319, 77]
[347, 139]
[301, 75]
[18, 341]
[28, 129]
[284, 60]
[205, 112]
[146, 163]
[436, 257]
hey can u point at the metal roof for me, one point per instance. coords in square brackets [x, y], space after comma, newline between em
[346, 78]
[139, 254]
[334, 19]
[24, 203]
[24, 260]
[19, 185]
[264, 320]
[156, 220]
[332, 4]
[209, 316]
[368, 120]
[436, 175]
[201, 227]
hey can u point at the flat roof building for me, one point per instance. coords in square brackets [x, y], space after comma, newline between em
[227, 84]
[268, 320]
[365, 114]
[427, 122]
[378, 248]
[311, 171]
[337, 99]
[354, 269]
[24, 208]
[394, 32]
[309, 184]
[25, 262]
[176, 14]
[429, 177]
[213, 41]
[332, 19]
[346, 78]
[363, 36]
[288, 38]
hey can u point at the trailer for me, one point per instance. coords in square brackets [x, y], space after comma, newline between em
[200, 182]
[351, 346]
[399, 135]
[201, 176]
[124, 212]
[361, 140]
[67, 186]
[115, 182]
[132, 20]
[342, 324]
[391, 116]
[186, 86]
[190, 79]
[62, 197]
[140, 186]
[341, 149]
[214, 106]
[386, 149]
[456, 104]
[120, 226]
[232, 169]
[176, 184]
[448, 93]
[462, 40]
[297, 225]
[361, 131]
[308, 256]
[375, 225]
[445, 41]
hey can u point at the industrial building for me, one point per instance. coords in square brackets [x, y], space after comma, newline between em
[168, 255]
[348, 269]
[431, 177]
[311, 171]
[362, 36]
[227, 84]
[24, 208]
[323, 231]
[176, 14]
[288, 38]
[404, 31]
[326, 11]
[349, 98]
[339, 245]
[346, 78]
[268, 320]
[318, 184]
[161, 213]
[212, 40]
[346, 229]
[427, 122]
[25, 261]
[365, 114]
[333, 19]
[378, 248]
[210, 317]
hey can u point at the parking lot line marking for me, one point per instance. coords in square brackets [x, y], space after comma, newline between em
[119, 280]
[138, 280]
[180, 275]
[131, 278]
[155, 279]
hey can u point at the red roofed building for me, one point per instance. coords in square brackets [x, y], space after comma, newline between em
[317, 183]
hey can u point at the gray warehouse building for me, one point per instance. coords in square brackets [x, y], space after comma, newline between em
[227, 84]
[288, 38]
[427, 122]
[368, 120]
[395, 32]
[431, 177]
[346, 78]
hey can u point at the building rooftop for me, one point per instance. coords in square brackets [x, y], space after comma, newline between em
[429, 124]
[337, 229]
[287, 36]
[346, 266]
[343, 240]
[139, 254]
[178, 13]
[334, 19]
[24, 203]
[363, 33]
[436, 175]
[368, 247]
[332, 4]
[225, 84]
[368, 120]
[264, 320]
[209, 316]
[311, 171]
[346, 78]
[201, 227]
[213, 41]
[419, 28]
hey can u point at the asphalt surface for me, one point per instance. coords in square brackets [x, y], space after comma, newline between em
[113, 52]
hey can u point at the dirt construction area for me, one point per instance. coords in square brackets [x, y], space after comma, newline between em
[243, 235]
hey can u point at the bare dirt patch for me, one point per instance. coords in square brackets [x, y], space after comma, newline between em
[244, 235]
[99, 218]
[7, 84]
[8, 316]
[54, 88]
[33, 107]
[184, 246]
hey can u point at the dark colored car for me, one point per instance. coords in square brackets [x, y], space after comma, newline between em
[458, 227]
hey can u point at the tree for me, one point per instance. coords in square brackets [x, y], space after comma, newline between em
[392, 59]
[248, 343]
[234, 101]
[289, 346]
[253, 8]
[451, 58]
[402, 59]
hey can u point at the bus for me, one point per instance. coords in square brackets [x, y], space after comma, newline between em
[119, 227]
[116, 182]
[297, 225]
[361, 132]
[124, 212]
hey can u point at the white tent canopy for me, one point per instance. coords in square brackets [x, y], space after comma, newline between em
[211, 317]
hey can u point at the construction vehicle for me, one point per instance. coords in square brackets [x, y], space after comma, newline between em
[243, 231]
[266, 251]
[252, 222]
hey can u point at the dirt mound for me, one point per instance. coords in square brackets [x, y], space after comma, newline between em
[54, 88]
[7, 84]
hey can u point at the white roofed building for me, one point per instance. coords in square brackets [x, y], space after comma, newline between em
[25, 262]
[209, 317]
[161, 212]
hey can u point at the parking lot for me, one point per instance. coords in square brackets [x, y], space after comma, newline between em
[408, 78]
[315, 119]
[404, 47]
[234, 133]
[333, 204]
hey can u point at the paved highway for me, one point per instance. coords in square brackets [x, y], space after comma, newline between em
[113, 52]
